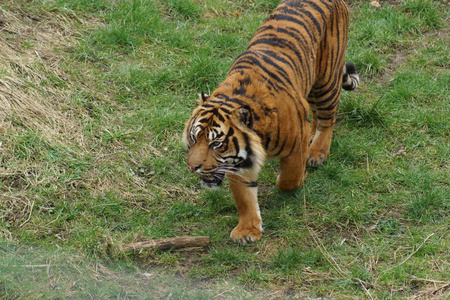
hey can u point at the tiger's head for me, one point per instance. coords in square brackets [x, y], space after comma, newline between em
[220, 140]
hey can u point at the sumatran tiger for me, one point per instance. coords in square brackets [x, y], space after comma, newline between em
[293, 65]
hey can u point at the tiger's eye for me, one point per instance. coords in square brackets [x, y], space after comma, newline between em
[216, 144]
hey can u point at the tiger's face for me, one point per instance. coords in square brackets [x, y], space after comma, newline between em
[219, 140]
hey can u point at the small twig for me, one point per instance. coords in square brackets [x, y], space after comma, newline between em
[220, 295]
[430, 280]
[37, 53]
[335, 265]
[60, 211]
[32, 266]
[29, 216]
[9, 31]
[326, 254]
[364, 287]
[367, 162]
[409, 256]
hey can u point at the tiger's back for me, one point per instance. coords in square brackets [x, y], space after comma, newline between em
[293, 64]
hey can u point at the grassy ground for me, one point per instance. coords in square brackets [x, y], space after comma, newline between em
[93, 99]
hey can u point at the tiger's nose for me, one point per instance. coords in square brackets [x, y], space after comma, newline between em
[193, 167]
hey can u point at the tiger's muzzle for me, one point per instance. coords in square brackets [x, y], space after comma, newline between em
[212, 180]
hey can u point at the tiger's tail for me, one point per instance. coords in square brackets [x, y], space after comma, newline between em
[350, 79]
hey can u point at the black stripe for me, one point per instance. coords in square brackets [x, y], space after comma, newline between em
[253, 60]
[292, 149]
[237, 67]
[235, 142]
[202, 121]
[279, 68]
[296, 21]
[220, 117]
[281, 149]
[251, 184]
[229, 134]
[307, 13]
[221, 103]
[239, 91]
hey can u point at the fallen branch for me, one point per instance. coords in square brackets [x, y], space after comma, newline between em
[182, 242]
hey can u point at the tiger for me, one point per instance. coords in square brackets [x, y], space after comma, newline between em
[278, 100]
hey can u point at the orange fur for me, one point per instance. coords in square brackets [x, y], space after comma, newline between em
[294, 63]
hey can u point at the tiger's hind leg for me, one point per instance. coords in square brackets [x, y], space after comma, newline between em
[323, 106]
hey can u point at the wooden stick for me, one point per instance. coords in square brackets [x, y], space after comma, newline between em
[170, 243]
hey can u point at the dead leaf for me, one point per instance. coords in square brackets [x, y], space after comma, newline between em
[400, 151]
[375, 4]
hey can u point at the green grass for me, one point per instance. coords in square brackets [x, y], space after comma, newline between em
[91, 158]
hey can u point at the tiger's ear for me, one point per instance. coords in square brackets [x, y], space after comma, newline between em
[244, 116]
[203, 98]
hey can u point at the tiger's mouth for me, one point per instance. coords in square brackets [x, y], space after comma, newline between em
[212, 180]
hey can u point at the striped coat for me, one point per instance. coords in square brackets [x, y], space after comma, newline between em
[293, 66]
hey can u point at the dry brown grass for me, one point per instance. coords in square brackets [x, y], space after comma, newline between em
[35, 96]
[434, 290]
[34, 89]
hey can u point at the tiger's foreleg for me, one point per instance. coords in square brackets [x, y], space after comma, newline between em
[245, 192]
[293, 167]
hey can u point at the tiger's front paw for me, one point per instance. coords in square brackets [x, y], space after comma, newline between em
[242, 235]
